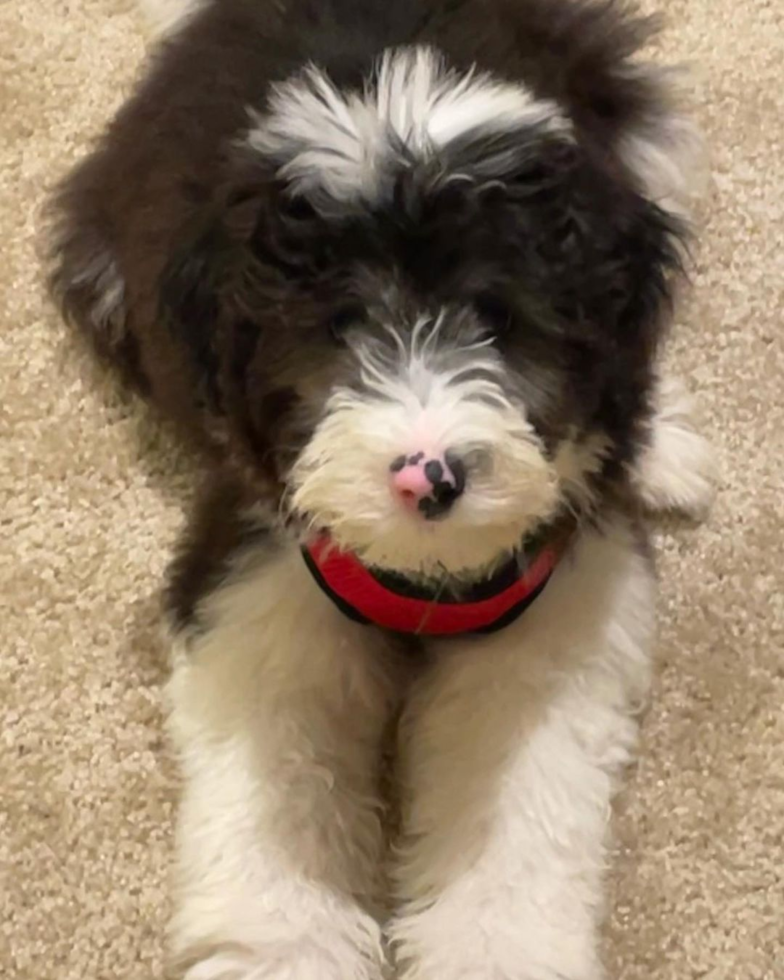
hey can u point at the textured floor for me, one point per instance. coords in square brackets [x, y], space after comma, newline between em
[92, 495]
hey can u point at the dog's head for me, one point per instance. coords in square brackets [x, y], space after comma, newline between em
[434, 306]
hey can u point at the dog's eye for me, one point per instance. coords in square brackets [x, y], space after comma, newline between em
[495, 312]
[297, 208]
[343, 319]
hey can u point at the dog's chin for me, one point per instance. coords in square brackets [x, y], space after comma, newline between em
[431, 549]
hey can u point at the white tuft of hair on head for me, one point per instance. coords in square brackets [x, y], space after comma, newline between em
[426, 105]
[340, 144]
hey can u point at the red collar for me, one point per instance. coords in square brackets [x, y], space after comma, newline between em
[395, 603]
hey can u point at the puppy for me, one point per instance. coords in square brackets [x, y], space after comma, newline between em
[403, 270]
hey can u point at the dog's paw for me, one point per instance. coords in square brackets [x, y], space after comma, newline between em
[304, 961]
[506, 972]
[677, 470]
[230, 964]
[496, 957]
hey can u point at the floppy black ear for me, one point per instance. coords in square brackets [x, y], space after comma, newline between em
[190, 297]
[255, 230]
[201, 289]
[230, 276]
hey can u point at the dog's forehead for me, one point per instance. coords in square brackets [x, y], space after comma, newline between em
[343, 147]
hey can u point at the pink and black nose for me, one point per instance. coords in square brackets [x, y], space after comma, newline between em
[428, 484]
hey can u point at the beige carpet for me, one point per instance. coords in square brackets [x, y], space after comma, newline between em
[92, 496]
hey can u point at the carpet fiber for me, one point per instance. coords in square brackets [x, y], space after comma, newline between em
[93, 493]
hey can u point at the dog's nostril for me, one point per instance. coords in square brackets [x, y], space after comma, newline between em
[448, 478]
[440, 500]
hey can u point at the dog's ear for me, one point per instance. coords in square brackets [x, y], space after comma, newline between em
[226, 291]
[202, 292]
[191, 294]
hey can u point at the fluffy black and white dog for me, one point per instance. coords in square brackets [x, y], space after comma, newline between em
[403, 268]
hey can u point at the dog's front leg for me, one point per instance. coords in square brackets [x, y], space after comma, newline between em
[278, 707]
[509, 756]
